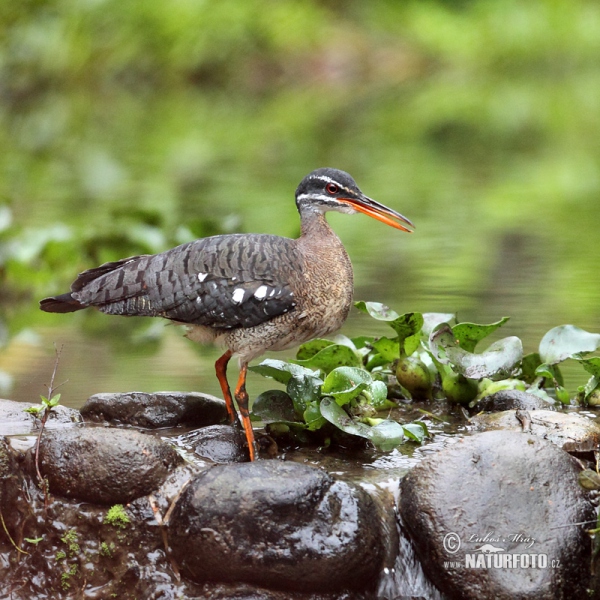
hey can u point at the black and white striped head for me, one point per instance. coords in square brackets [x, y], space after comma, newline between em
[330, 189]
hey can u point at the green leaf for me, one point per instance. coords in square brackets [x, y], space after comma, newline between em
[280, 370]
[312, 416]
[551, 372]
[274, 406]
[529, 364]
[407, 326]
[487, 387]
[469, 334]
[336, 415]
[331, 357]
[376, 360]
[563, 395]
[497, 362]
[311, 348]
[566, 341]
[388, 349]
[303, 390]
[385, 436]
[362, 341]
[591, 365]
[416, 431]
[36, 409]
[34, 541]
[378, 311]
[345, 383]
[54, 401]
[378, 391]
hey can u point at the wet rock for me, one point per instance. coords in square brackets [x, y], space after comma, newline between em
[494, 497]
[15, 421]
[161, 409]
[512, 400]
[10, 476]
[104, 466]
[283, 526]
[569, 431]
[220, 443]
[249, 592]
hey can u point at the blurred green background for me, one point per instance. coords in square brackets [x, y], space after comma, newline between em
[129, 127]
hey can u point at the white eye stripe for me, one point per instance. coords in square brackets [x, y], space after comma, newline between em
[321, 197]
[330, 180]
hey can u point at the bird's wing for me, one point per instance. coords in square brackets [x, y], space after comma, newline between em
[223, 281]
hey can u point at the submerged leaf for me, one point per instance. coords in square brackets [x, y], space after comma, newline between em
[565, 342]
[416, 431]
[387, 435]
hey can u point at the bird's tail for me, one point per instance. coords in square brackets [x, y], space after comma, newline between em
[64, 303]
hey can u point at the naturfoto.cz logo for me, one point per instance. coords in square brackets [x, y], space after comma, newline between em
[491, 555]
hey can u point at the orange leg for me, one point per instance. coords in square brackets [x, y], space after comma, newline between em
[221, 368]
[241, 397]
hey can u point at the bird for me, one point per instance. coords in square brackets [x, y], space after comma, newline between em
[246, 293]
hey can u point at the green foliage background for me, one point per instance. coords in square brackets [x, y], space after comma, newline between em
[130, 126]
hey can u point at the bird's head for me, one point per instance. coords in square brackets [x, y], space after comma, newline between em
[330, 189]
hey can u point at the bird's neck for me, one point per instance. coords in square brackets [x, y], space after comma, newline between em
[314, 225]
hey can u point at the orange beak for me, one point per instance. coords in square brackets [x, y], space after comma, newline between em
[378, 211]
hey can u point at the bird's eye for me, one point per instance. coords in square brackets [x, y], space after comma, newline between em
[332, 188]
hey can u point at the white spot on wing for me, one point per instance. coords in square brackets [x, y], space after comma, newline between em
[261, 292]
[238, 295]
[202, 277]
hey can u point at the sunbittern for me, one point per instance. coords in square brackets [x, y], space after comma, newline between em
[248, 293]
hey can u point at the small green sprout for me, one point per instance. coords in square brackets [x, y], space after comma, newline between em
[117, 517]
[107, 549]
[46, 404]
[70, 539]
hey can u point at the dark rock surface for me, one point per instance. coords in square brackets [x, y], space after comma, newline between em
[508, 490]
[278, 525]
[15, 421]
[249, 592]
[220, 443]
[511, 400]
[102, 465]
[160, 409]
[569, 431]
